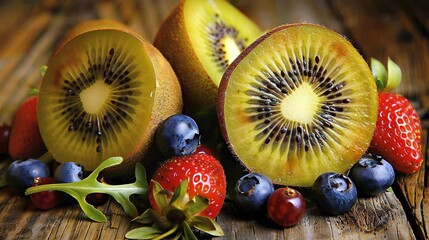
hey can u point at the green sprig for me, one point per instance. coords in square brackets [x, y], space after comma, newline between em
[176, 218]
[121, 193]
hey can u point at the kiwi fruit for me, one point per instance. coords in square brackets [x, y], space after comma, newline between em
[104, 93]
[298, 102]
[200, 39]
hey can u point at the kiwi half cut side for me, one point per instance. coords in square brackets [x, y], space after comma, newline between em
[200, 39]
[104, 93]
[298, 102]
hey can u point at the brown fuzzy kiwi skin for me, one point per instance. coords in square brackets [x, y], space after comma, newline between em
[226, 76]
[167, 101]
[172, 40]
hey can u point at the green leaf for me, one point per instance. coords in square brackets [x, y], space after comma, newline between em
[380, 74]
[394, 75]
[43, 70]
[207, 225]
[179, 194]
[146, 217]
[197, 205]
[187, 232]
[144, 233]
[159, 195]
[33, 92]
[121, 193]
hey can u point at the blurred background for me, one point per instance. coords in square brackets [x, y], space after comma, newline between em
[31, 29]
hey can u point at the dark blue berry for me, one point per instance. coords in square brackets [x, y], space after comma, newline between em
[178, 135]
[69, 172]
[372, 175]
[251, 193]
[334, 193]
[21, 174]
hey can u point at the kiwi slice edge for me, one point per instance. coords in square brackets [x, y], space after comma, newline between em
[141, 92]
[183, 38]
[335, 97]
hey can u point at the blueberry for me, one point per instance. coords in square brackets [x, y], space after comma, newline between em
[334, 193]
[372, 175]
[21, 174]
[178, 135]
[68, 172]
[251, 192]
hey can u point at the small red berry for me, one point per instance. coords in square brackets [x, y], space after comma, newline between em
[286, 206]
[204, 149]
[4, 139]
[47, 199]
[97, 199]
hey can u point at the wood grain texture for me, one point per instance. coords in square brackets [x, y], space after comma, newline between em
[377, 28]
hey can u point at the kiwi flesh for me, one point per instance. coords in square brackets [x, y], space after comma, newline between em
[200, 39]
[104, 93]
[298, 102]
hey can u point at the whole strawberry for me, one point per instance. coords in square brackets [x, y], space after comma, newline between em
[397, 135]
[185, 193]
[206, 179]
[25, 140]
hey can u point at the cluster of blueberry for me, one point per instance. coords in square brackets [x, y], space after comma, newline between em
[33, 172]
[334, 193]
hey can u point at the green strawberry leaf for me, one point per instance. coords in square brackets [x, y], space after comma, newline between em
[160, 195]
[147, 217]
[380, 74]
[43, 70]
[197, 205]
[121, 193]
[187, 232]
[207, 225]
[144, 233]
[33, 92]
[386, 80]
[394, 75]
[179, 194]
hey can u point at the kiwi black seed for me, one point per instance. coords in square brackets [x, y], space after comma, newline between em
[219, 30]
[94, 127]
[298, 102]
[271, 87]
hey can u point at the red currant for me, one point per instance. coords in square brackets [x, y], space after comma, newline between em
[204, 149]
[286, 206]
[97, 199]
[47, 199]
[4, 138]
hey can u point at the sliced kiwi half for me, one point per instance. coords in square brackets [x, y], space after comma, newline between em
[200, 39]
[298, 102]
[104, 93]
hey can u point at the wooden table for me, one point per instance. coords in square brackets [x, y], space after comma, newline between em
[397, 29]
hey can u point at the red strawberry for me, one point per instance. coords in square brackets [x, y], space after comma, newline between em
[25, 140]
[206, 179]
[397, 135]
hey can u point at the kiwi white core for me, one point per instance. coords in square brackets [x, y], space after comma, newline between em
[94, 97]
[232, 49]
[301, 105]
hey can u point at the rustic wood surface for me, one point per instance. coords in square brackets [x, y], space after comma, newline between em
[397, 29]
